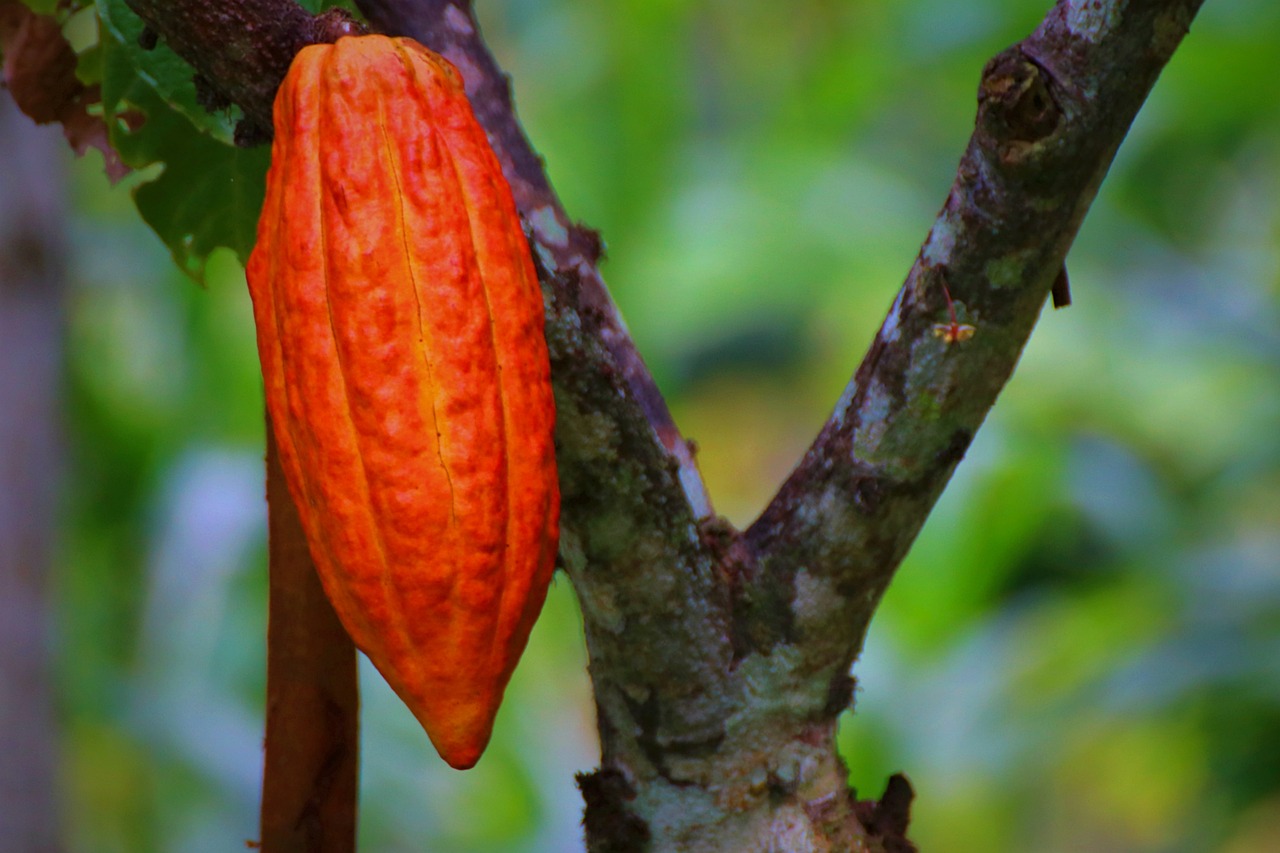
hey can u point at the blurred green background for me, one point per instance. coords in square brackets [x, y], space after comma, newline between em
[1082, 652]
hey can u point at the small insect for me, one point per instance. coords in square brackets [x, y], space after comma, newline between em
[955, 331]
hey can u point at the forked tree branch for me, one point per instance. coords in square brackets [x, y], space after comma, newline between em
[720, 660]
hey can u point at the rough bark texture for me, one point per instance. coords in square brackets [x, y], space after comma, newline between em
[720, 659]
[312, 742]
[32, 271]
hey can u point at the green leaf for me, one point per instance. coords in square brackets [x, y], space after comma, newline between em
[208, 196]
[162, 70]
[41, 7]
[315, 7]
[209, 192]
[89, 65]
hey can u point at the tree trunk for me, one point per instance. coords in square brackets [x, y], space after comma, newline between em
[32, 272]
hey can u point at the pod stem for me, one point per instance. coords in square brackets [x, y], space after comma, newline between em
[310, 782]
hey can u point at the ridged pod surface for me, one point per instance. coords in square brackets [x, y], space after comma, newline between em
[400, 328]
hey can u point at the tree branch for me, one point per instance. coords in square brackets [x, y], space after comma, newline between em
[1052, 110]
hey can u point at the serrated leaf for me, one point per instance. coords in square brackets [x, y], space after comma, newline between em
[209, 193]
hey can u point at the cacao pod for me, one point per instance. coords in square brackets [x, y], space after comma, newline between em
[400, 329]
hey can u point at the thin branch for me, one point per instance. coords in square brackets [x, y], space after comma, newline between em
[1052, 110]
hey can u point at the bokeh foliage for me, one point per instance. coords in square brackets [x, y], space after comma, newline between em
[1081, 652]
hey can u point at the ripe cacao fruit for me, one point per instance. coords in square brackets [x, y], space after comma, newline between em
[400, 328]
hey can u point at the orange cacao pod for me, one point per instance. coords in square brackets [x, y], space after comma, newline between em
[400, 328]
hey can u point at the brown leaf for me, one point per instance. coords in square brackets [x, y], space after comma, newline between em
[40, 72]
[39, 64]
[85, 131]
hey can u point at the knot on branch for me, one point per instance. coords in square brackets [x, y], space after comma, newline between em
[887, 819]
[609, 822]
[1017, 110]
